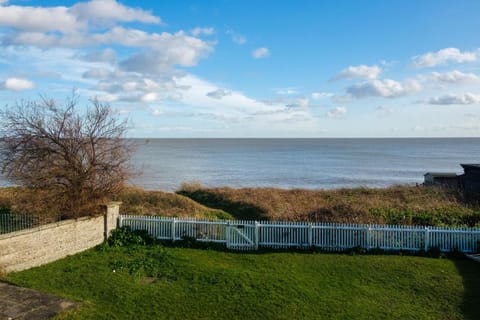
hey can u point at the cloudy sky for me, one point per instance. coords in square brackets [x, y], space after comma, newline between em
[253, 68]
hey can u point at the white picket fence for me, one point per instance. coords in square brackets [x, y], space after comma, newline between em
[250, 235]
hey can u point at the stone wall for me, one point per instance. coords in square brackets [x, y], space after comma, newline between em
[30, 248]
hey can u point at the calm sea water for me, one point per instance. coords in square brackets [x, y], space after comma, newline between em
[165, 164]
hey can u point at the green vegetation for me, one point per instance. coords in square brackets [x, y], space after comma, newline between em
[155, 282]
[395, 205]
[137, 201]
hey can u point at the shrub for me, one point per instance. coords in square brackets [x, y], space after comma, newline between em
[125, 236]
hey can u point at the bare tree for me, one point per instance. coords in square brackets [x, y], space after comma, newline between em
[79, 157]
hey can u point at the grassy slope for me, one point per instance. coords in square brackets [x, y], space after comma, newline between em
[205, 284]
[394, 205]
[134, 201]
[143, 202]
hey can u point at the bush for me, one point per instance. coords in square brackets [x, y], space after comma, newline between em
[125, 236]
[153, 264]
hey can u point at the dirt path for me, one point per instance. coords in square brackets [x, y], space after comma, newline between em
[22, 303]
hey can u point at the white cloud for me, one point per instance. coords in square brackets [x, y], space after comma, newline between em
[286, 91]
[359, 72]
[472, 116]
[44, 40]
[109, 11]
[167, 50]
[237, 37]
[454, 76]
[132, 87]
[473, 127]
[237, 106]
[443, 56]
[386, 88]
[150, 97]
[157, 53]
[117, 35]
[106, 55]
[418, 128]
[17, 84]
[157, 112]
[138, 70]
[218, 94]
[97, 73]
[321, 95]
[202, 31]
[336, 113]
[384, 111]
[39, 19]
[449, 99]
[107, 98]
[159, 41]
[261, 53]
[300, 102]
[71, 19]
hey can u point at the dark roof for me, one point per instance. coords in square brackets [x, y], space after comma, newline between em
[442, 174]
[471, 165]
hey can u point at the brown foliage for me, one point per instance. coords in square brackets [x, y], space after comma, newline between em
[136, 201]
[394, 205]
[74, 160]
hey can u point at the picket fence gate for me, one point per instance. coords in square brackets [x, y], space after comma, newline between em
[250, 235]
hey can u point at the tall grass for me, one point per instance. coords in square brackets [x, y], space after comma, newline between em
[137, 201]
[394, 205]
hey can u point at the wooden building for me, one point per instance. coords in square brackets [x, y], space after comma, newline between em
[446, 179]
[470, 182]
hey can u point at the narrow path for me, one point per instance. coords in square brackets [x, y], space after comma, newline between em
[22, 303]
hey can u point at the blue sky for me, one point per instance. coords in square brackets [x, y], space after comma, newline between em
[253, 68]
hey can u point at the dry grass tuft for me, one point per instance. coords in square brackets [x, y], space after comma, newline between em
[394, 205]
[137, 201]
[19, 200]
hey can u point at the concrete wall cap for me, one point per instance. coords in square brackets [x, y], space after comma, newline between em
[113, 204]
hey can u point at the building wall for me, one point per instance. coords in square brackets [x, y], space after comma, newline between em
[450, 182]
[471, 183]
[428, 180]
[34, 247]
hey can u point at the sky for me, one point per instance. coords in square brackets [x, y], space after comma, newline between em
[270, 68]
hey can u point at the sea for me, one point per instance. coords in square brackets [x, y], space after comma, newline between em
[165, 164]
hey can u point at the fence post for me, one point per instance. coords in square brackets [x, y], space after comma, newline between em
[110, 218]
[367, 235]
[227, 236]
[310, 235]
[427, 239]
[120, 221]
[257, 234]
[173, 230]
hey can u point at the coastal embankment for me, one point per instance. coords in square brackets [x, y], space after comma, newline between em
[406, 205]
[402, 205]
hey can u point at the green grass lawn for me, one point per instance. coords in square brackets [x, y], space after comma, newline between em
[154, 282]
